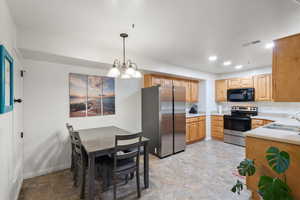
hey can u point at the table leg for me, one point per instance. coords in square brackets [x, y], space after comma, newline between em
[91, 177]
[146, 165]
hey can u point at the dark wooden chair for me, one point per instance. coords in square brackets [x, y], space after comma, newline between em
[80, 162]
[70, 130]
[126, 159]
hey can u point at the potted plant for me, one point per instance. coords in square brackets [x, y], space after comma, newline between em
[269, 188]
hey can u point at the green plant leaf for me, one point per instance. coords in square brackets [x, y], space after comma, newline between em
[238, 187]
[278, 160]
[274, 189]
[246, 168]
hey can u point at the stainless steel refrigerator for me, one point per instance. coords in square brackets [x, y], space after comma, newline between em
[163, 119]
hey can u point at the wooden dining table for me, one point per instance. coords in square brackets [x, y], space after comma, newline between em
[101, 141]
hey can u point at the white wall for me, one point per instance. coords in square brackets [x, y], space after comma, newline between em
[11, 159]
[257, 71]
[264, 107]
[46, 111]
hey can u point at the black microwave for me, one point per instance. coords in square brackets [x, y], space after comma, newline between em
[239, 95]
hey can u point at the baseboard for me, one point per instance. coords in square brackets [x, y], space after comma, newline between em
[18, 190]
[45, 171]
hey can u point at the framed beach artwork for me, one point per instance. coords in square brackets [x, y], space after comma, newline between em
[94, 101]
[78, 95]
[108, 96]
[6, 79]
[91, 95]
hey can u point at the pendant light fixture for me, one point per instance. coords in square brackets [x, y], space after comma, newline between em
[126, 69]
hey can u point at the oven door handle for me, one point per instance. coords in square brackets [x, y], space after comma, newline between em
[238, 118]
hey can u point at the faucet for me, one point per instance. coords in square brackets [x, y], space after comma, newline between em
[296, 116]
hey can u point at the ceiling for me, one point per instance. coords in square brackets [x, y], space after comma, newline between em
[179, 32]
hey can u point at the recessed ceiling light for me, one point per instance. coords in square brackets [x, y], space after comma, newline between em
[227, 63]
[212, 58]
[239, 66]
[269, 45]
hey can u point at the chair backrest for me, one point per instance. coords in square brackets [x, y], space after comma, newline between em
[127, 147]
[76, 141]
[69, 127]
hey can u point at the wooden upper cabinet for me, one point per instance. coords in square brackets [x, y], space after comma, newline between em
[263, 87]
[246, 82]
[194, 91]
[156, 81]
[191, 86]
[221, 90]
[167, 82]
[187, 91]
[286, 69]
[234, 83]
[178, 83]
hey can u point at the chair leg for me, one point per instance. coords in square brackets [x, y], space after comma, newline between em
[131, 176]
[138, 183]
[83, 176]
[72, 163]
[115, 187]
[75, 175]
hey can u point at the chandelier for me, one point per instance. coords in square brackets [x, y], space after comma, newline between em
[126, 69]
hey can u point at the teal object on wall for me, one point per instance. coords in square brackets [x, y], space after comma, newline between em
[6, 80]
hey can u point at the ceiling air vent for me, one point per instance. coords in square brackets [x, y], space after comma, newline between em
[251, 43]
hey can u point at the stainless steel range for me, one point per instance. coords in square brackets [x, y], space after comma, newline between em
[236, 124]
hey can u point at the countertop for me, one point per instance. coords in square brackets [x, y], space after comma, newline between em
[195, 115]
[219, 114]
[273, 134]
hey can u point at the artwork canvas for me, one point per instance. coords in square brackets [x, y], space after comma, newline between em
[108, 96]
[78, 95]
[94, 101]
[91, 95]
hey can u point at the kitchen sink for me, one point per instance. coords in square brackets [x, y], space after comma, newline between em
[284, 127]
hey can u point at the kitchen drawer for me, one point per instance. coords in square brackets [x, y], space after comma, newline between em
[192, 119]
[258, 122]
[217, 118]
[267, 122]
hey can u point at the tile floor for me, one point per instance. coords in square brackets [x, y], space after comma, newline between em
[205, 171]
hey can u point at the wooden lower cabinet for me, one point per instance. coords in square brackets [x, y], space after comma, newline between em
[217, 127]
[255, 123]
[256, 150]
[195, 129]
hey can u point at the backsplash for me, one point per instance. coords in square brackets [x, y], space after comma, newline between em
[266, 107]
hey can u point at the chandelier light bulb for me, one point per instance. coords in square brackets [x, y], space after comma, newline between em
[137, 74]
[130, 71]
[125, 76]
[114, 72]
